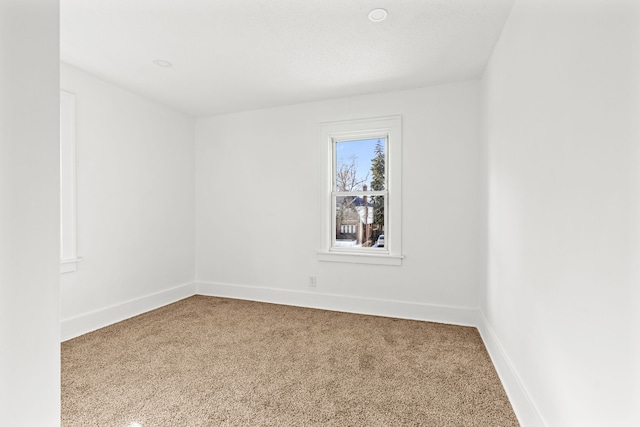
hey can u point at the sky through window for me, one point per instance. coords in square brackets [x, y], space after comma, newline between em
[364, 152]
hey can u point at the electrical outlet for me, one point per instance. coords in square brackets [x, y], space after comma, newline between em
[312, 281]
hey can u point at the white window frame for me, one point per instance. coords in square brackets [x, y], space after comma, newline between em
[68, 240]
[390, 128]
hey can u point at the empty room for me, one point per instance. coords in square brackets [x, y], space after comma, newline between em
[359, 213]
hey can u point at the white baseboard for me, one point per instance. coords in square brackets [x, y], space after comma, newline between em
[378, 307]
[87, 322]
[526, 411]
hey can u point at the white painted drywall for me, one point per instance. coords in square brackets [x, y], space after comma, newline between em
[135, 192]
[258, 196]
[29, 214]
[561, 103]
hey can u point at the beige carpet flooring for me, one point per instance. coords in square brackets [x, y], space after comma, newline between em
[207, 361]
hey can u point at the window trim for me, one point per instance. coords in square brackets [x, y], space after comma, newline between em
[68, 220]
[332, 132]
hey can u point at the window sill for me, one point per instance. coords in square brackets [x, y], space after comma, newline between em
[69, 265]
[360, 258]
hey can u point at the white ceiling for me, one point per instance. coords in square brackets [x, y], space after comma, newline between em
[235, 55]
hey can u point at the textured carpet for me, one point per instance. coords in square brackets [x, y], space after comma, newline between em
[207, 361]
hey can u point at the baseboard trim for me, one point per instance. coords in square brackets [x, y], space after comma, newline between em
[524, 407]
[377, 307]
[87, 322]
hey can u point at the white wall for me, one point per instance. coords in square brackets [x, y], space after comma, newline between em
[562, 129]
[258, 197]
[135, 191]
[29, 214]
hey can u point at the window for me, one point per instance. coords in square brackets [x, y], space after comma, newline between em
[68, 255]
[362, 191]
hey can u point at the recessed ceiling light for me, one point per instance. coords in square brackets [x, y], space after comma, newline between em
[162, 63]
[377, 15]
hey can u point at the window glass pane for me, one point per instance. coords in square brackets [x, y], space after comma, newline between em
[360, 165]
[359, 221]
